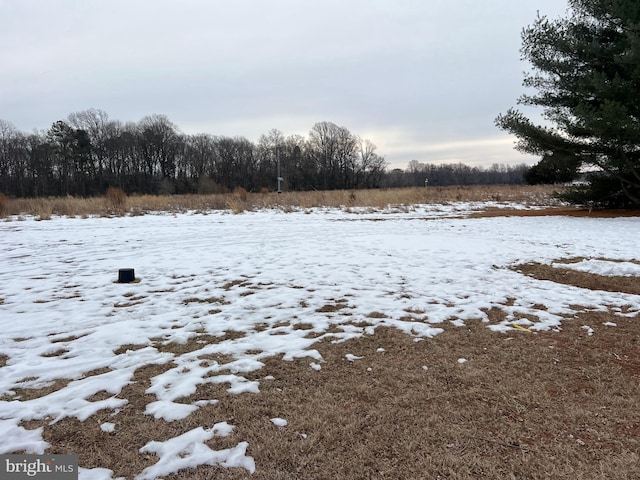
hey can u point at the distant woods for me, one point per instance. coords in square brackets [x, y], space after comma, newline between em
[87, 153]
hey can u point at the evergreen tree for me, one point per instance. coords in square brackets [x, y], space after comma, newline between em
[554, 168]
[586, 70]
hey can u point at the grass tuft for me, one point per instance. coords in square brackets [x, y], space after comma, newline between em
[115, 199]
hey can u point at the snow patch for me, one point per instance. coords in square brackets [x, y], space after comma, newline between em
[279, 422]
[189, 451]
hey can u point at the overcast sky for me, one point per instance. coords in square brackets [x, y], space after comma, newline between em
[422, 79]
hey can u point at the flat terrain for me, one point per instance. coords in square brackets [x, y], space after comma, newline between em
[462, 340]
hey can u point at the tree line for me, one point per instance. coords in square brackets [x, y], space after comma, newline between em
[87, 153]
[418, 174]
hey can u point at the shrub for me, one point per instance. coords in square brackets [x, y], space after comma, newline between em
[240, 193]
[208, 186]
[116, 198]
[601, 191]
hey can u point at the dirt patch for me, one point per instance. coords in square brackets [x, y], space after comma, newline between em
[591, 281]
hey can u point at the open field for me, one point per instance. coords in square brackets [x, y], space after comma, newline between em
[241, 200]
[443, 340]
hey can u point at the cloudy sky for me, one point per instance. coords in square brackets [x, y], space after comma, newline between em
[422, 79]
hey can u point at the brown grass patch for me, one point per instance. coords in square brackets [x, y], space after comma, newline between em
[115, 199]
[218, 300]
[55, 353]
[591, 281]
[556, 211]
[3, 360]
[220, 358]
[126, 304]
[70, 338]
[117, 450]
[4, 205]
[196, 343]
[336, 306]
[234, 283]
[26, 394]
[128, 346]
[526, 405]
[303, 326]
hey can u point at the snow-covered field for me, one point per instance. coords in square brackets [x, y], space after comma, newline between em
[262, 274]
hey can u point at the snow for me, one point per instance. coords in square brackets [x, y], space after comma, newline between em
[352, 358]
[603, 267]
[279, 422]
[108, 427]
[189, 451]
[589, 330]
[259, 285]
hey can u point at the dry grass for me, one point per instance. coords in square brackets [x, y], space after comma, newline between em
[561, 405]
[548, 405]
[4, 205]
[115, 199]
[556, 211]
[116, 203]
[591, 281]
[524, 406]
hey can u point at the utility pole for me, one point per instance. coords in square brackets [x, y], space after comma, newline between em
[280, 179]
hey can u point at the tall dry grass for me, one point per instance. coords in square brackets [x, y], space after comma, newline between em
[117, 203]
[4, 204]
[116, 199]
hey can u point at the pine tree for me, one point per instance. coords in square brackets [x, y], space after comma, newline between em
[586, 71]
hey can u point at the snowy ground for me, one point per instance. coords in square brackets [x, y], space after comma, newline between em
[262, 273]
